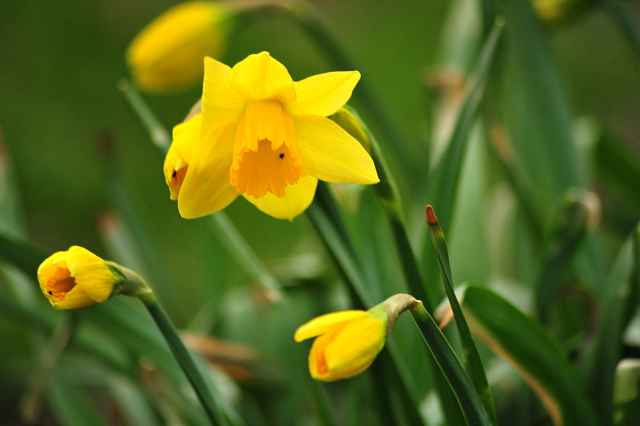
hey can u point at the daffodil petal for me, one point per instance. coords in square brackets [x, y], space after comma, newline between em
[91, 273]
[297, 199]
[323, 94]
[184, 135]
[206, 188]
[324, 323]
[355, 347]
[220, 103]
[331, 154]
[75, 298]
[260, 77]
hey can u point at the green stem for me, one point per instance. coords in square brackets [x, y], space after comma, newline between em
[470, 402]
[183, 357]
[156, 130]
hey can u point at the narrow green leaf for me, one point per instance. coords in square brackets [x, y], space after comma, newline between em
[618, 304]
[445, 177]
[472, 406]
[529, 348]
[24, 256]
[569, 232]
[472, 359]
[70, 403]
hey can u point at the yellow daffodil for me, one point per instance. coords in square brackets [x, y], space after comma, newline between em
[347, 342]
[168, 53]
[266, 137]
[346, 345]
[76, 278]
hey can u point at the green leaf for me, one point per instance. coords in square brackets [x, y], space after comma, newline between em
[472, 360]
[70, 403]
[569, 232]
[617, 307]
[23, 255]
[470, 402]
[445, 177]
[529, 348]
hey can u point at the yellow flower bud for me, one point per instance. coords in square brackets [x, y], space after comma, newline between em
[76, 278]
[169, 53]
[346, 345]
[347, 342]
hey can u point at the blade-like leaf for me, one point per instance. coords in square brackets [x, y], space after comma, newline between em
[618, 304]
[472, 360]
[527, 346]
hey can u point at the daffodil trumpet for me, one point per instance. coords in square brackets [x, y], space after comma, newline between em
[348, 342]
[265, 137]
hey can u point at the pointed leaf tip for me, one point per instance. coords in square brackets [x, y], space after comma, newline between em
[431, 215]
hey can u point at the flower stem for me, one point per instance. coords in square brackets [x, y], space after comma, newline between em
[183, 357]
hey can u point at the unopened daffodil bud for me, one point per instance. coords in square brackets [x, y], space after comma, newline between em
[77, 278]
[168, 54]
[347, 342]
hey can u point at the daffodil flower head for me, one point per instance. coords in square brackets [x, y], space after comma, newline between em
[77, 278]
[168, 53]
[266, 137]
[348, 342]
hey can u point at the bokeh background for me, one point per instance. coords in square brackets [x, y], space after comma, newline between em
[61, 114]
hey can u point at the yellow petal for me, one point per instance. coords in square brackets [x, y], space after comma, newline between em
[324, 323]
[323, 94]
[206, 188]
[91, 273]
[329, 153]
[354, 348]
[260, 77]
[220, 103]
[175, 169]
[74, 299]
[169, 52]
[297, 199]
[185, 135]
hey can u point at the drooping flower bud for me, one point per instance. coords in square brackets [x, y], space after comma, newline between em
[348, 342]
[77, 278]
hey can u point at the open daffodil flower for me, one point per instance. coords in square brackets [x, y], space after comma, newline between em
[266, 137]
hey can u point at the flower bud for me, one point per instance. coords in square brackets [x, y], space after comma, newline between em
[347, 342]
[169, 53]
[77, 278]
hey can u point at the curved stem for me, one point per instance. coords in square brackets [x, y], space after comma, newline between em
[183, 357]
